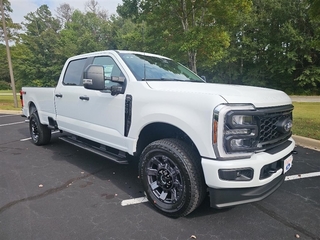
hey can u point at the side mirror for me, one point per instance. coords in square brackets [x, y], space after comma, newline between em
[93, 77]
[204, 78]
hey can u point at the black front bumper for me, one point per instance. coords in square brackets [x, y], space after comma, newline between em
[220, 198]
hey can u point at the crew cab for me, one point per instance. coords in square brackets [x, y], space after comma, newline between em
[191, 138]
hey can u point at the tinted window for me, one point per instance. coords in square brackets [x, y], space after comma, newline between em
[74, 73]
[151, 68]
[111, 69]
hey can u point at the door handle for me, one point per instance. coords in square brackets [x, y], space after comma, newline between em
[85, 98]
[58, 95]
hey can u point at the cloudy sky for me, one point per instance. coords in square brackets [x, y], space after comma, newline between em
[23, 7]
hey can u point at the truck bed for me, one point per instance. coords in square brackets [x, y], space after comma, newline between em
[43, 98]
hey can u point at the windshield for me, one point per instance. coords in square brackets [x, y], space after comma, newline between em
[151, 68]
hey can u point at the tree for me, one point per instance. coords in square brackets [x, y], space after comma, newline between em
[314, 9]
[86, 32]
[276, 46]
[93, 7]
[64, 13]
[4, 71]
[39, 64]
[12, 28]
[127, 35]
[129, 9]
[192, 27]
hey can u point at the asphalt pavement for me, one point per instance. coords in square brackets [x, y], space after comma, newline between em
[59, 191]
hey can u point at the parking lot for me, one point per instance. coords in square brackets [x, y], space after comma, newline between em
[59, 191]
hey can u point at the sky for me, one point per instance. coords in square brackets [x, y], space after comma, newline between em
[22, 7]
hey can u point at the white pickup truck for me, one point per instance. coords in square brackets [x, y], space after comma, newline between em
[192, 138]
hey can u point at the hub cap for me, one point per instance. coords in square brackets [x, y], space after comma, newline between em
[164, 179]
[34, 130]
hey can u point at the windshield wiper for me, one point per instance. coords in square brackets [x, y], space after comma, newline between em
[194, 80]
[70, 84]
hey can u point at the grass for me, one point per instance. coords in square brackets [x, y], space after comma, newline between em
[306, 119]
[6, 101]
[306, 116]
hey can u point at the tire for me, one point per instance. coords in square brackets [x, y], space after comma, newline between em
[40, 134]
[172, 177]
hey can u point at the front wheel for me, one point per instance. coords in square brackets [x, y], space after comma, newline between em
[172, 177]
[40, 134]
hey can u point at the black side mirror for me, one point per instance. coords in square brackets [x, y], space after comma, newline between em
[93, 77]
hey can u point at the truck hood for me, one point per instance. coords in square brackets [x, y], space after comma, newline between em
[260, 97]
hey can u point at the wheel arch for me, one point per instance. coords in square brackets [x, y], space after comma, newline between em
[160, 130]
[31, 107]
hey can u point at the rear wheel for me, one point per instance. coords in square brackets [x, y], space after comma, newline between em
[40, 134]
[172, 177]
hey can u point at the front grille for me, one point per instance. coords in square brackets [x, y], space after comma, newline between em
[270, 133]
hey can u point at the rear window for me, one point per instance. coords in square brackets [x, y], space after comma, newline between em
[74, 72]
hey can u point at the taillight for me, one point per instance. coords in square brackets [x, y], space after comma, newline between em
[21, 97]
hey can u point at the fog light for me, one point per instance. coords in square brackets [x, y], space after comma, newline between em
[244, 174]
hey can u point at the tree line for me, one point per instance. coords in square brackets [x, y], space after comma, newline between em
[269, 43]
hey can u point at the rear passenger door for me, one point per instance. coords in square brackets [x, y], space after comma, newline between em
[68, 104]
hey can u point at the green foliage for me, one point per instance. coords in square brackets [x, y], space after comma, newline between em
[127, 35]
[314, 9]
[46, 44]
[129, 9]
[269, 43]
[86, 32]
[275, 46]
[181, 29]
[12, 28]
[4, 85]
[4, 68]
[36, 57]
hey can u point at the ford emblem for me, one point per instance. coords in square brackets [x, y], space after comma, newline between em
[284, 125]
[288, 125]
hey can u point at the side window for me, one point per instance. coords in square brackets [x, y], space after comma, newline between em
[74, 72]
[111, 69]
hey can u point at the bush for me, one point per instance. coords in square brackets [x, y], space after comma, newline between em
[4, 85]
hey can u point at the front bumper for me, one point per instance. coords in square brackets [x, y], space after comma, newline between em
[224, 193]
[220, 198]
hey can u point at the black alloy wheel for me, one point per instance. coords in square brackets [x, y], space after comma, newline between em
[40, 134]
[172, 177]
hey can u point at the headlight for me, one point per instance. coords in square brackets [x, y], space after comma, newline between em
[242, 120]
[239, 130]
[235, 130]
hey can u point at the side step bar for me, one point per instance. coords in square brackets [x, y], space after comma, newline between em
[118, 158]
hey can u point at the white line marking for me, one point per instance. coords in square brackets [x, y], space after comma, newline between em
[25, 139]
[300, 176]
[7, 116]
[9, 124]
[29, 138]
[134, 201]
[288, 178]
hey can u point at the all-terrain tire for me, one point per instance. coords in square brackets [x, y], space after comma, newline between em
[40, 134]
[172, 177]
